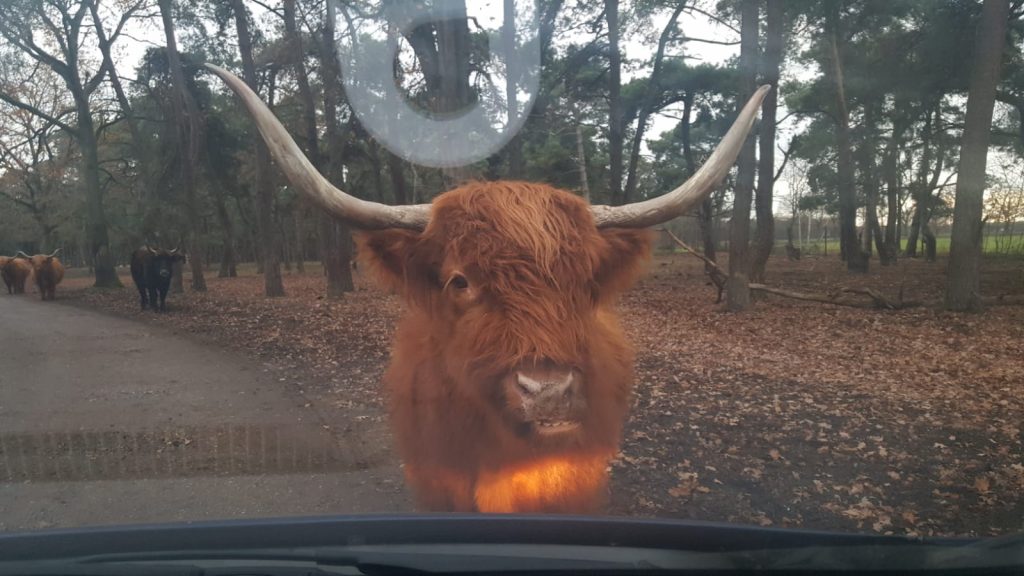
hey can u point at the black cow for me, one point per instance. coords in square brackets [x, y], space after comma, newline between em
[152, 271]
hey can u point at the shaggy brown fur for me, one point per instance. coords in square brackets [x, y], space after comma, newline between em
[541, 281]
[49, 272]
[15, 272]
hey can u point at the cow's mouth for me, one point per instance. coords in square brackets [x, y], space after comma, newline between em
[554, 427]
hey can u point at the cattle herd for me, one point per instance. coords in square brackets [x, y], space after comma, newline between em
[152, 270]
[510, 375]
[45, 268]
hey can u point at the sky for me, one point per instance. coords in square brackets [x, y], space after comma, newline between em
[141, 34]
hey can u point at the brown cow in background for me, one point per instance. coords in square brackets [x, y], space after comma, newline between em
[3, 263]
[48, 272]
[510, 376]
[15, 272]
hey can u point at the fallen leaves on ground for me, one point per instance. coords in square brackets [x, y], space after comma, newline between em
[791, 414]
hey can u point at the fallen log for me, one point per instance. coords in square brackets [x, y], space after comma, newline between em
[877, 300]
[836, 297]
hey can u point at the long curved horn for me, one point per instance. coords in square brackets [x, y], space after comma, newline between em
[175, 251]
[693, 191]
[302, 174]
[22, 255]
[54, 253]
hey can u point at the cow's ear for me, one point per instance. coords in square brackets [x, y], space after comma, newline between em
[620, 260]
[397, 260]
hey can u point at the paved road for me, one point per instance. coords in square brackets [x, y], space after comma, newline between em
[106, 420]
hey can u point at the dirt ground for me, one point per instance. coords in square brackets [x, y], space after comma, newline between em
[792, 414]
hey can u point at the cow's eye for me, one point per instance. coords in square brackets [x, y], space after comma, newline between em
[458, 282]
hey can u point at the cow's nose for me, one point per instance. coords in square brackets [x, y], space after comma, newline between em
[549, 388]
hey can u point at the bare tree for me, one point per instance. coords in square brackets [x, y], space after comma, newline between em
[58, 47]
[33, 163]
[797, 188]
[186, 121]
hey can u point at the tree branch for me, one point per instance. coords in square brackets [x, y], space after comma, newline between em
[33, 110]
[29, 47]
[717, 276]
[713, 18]
[877, 300]
[785, 159]
[268, 8]
[707, 41]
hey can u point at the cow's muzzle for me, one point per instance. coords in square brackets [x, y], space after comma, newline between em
[548, 397]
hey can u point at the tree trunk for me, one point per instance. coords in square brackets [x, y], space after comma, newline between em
[336, 247]
[920, 188]
[855, 260]
[611, 12]
[930, 243]
[765, 236]
[647, 104]
[514, 148]
[335, 240]
[890, 173]
[298, 217]
[272, 284]
[287, 253]
[399, 186]
[738, 285]
[250, 231]
[705, 213]
[99, 243]
[186, 120]
[297, 56]
[228, 259]
[453, 91]
[915, 229]
[706, 222]
[963, 287]
[870, 184]
[581, 157]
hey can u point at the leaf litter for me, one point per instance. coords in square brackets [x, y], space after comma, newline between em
[791, 414]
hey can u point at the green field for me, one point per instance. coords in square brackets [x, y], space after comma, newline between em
[993, 245]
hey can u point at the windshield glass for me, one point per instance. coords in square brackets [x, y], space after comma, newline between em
[752, 262]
